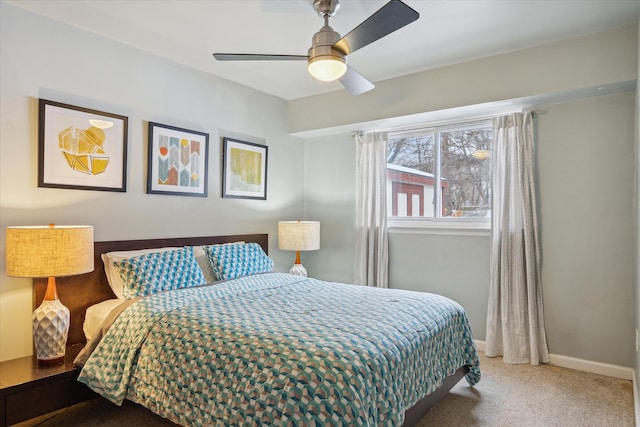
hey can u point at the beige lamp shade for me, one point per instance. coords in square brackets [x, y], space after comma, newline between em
[299, 235]
[49, 251]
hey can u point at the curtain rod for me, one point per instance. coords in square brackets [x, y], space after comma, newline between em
[440, 123]
[479, 118]
[535, 111]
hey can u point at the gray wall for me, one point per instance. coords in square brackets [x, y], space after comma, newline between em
[42, 58]
[329, 198]
[453, 265]
[637, 225]
[586, 169]
[585, 174]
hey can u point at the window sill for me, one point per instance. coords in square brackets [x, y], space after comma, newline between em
[442, 227]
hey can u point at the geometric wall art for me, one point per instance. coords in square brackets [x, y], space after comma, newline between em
[244, 169]
[81, 148]
[178, 161]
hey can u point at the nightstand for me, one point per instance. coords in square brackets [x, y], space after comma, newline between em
[28, 390]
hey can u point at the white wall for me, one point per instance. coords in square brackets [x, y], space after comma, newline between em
[42, 58]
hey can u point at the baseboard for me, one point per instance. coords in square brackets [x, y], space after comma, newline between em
[584, 365]
[591, 366]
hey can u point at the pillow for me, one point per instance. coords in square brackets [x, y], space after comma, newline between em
[232, 261]
[95, 315]
[158, 272]
[113, 275]
[203, 261]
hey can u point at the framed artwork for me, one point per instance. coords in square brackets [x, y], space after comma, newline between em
[177, 161]
[80, 148]
[244, 169]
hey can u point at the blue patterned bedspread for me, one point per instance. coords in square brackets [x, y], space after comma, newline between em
[278, 349]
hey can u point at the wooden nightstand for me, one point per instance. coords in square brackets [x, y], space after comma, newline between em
[28, 390]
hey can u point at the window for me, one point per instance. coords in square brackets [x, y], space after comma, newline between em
[441, 172]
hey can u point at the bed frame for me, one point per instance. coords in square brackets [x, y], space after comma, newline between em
[81, 291]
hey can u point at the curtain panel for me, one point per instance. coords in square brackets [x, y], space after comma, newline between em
[371, 251]
[515, 318]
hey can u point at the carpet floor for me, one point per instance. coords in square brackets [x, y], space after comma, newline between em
[507, 395]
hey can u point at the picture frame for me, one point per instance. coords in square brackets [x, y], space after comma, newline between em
[81, 148]
[178, 161]
[244, 169]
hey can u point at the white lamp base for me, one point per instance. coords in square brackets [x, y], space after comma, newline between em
[50, 330]
[298, 270]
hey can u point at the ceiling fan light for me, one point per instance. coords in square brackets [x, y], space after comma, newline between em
[327, 68]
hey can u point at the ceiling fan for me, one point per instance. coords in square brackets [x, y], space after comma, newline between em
[327, 57]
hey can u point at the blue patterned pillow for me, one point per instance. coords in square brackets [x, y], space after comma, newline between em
[232, 261]
[158, 272]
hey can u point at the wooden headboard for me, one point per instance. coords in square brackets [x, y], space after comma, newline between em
[81, 291]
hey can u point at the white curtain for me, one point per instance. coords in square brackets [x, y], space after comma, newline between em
[515, 320]
[371, 252]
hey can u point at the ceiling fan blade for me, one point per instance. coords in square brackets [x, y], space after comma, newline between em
[355, 83]
[257, 57]
[389, 18]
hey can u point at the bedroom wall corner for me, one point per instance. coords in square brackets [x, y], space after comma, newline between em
[329, 196]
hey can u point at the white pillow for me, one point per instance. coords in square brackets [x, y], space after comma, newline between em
[113, 274]
[96, 314]
[203, 262]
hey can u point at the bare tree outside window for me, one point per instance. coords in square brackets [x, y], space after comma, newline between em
[455, 180]
[467, 173]
[413, 152]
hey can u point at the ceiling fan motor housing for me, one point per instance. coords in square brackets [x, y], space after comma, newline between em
[322, 44]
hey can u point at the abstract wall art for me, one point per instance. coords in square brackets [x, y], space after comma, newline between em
[81, 148]
[177, 161]
[244, 173]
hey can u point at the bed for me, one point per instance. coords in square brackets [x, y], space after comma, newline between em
[270, 348]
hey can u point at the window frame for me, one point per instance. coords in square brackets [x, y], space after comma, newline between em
[441, 225]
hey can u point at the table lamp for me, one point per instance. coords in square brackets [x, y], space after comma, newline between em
[298, 236]
[50, 251]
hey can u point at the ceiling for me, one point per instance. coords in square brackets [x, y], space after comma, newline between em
[447, 32]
